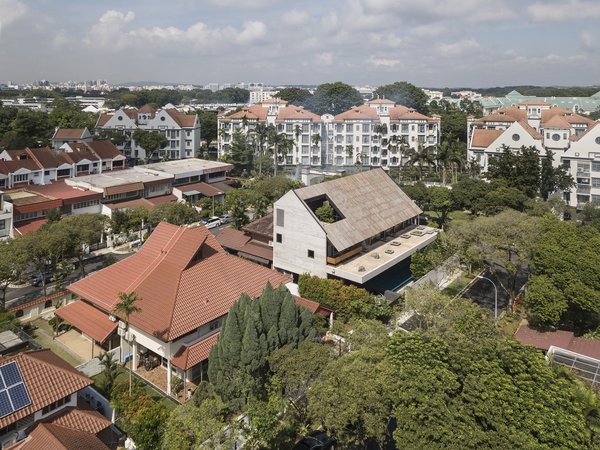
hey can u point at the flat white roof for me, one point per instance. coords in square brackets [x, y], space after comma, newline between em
[117, 178]
[183, 166]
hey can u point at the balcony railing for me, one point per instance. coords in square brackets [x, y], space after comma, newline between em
[343, 256]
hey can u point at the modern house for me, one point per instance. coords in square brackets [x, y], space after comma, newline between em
[46, 403]
[375, 134]
[181, 130]
[573, 139]
[186, 284]
[373, 231]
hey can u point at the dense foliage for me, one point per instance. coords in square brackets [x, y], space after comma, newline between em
[348, 301]
[334, 98]
[404, 93]
[253, 330]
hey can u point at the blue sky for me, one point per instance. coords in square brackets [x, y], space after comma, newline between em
[440, 43]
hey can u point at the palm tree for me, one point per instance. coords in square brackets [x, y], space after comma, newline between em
[262, 134]
[284, 147]
[110, 371]
[125, 308]
[349, 151]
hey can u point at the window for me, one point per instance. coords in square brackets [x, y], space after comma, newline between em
[162, 118]
[305, 138]
[280, 217]
[349, 128]
[86, 204]
[596, 166]
[596, 182]
[20, 178]
[556, 137]
[2, 224]
[279, 238]
[46, 172]
[366, 128]
[119, 117]
[597, 140]
[311, 254]
[56, 404]
[214, 325]
[516, 137]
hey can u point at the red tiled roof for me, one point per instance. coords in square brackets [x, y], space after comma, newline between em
[37, 301]
[380, 101]
[147, 108]
[123, 188]
[557, 122]
[50, 436]
[47, 378]
[104, 149]
[143, 202]
[30, 227]
[103, 119]
[296, 112]
[68, 194]
[262, 226]
[363, 112]
[254, 112]
[178, 292]
[88, 320]
[484, 138]
[562, 339]
[183, 120]
[231, 238]
[189, 356]
[68, 133]
[205, 189]
[534, 102]
[529, 129]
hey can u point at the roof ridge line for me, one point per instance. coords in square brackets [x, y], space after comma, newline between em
[77, 373]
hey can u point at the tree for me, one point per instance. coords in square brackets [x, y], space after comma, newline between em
[404, 93]
[253, 330]
[125, 307]
[110, 371]
[520, 171]
[544, 302]
[13, 260]
[208, 121]
[440, 202]
[236, 203]
[151, 141]
[334, 98]
[241, 153]
[296, 96]
[79, 232]
[325, 213]
[553, 178]
[467, 194]
[176, 213]
[590, 214]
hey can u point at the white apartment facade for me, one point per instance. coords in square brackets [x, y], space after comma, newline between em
[375, 134]
[181, 130]
[573, 139]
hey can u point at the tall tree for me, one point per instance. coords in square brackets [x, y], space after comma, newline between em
[296, 96]
[208, 122]
[151, 141]
[334, 98]
[404, 93]
[127, 306]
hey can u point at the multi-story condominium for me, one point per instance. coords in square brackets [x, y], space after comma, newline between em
[369, 242]
[573, 139]
[375, 134]
[181, 130]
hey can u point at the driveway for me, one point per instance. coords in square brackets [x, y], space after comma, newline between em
[81, 346]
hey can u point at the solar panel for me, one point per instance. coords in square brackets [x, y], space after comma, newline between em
[13, 393]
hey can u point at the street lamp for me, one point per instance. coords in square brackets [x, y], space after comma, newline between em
[495, 296]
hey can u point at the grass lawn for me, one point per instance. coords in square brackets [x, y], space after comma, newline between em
[123, 377]
[455, 287]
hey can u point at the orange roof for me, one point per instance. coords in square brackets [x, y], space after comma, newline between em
[380, 101]
[30, 227]
[68, 194]
[262, 226]
[362, 112]
[103, 119]
[532, 131]
[232, 238]
[88, 320]
[296, 112]
[555, 110]
[183, 120]
[50, 436]
[189, 356]
[81, 418]
[147, 108]
[534, 103]
[104, 149]
[184, 278]
[484, 138]
[69, 133]
[254, 112]
[47, 378]
[557, 122]
[143, 202]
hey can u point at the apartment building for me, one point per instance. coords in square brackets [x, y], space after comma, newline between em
[571, 137]
[375, 134]
[181, 130]
[369, 243]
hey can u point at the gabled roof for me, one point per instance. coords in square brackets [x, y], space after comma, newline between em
[529, 129]
[534, 102]
[362, 112]
[88, 319]
[69, 133]
[482, 138]
[183, 120]
[380, 101]
[254, 112]
[184, 278]
[104, 149]
[557, 122]
[262, 226]
[47, 378]
[51, 436]
[189, 355]
[147, 108]
[370, 202]
[296, 112]
[103, 119]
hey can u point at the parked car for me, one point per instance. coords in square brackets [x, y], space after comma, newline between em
[316, 440]
[213, 222]
[225, 218]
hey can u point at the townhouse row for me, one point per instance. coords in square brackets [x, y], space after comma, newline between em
[376, 134]
[573, 139]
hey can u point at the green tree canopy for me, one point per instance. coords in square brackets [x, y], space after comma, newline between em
[151, 141]
[296, 96]
[404, 93]
[334, 98]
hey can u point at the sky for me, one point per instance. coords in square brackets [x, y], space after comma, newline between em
[431, 43]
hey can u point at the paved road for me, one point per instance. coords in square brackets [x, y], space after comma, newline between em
[18, 296]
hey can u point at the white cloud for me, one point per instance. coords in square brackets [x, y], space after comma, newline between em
[253, 32]
[10, 12]
[458, 48]
[564, 10]
[384, 62]
[325, 58]
[587, 41]
[295, 18]
[61, 38]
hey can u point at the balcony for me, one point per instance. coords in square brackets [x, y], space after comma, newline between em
[367, 264]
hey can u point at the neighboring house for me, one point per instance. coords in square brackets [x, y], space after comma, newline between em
[573, 139]
[46, 403]
[63, 136]
[375, 134]
[374, 232]
[253, 241]
[181, 130]
[6, 218]
[186, 284]
[19, 168]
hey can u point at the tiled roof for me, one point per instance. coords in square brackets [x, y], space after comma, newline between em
[262, 226]
[296, 112]
[255, 112]
[183, 120]
[205, 189]
[50, 436]
[562, 339]
[548, 114]
[380, 101]
[535, 103]
[557, 122]
[231, 238]
[189, 356]
[30, 226]
[47, 377]
[178, 292]
[147, 108]
[69, 133]
[529, 129]
[88, 319]
[81, 418]
[362, 112]
[104, 149]
[398, 111]
[484, 138]
[68, 194]
[103, 119]
[143, 202]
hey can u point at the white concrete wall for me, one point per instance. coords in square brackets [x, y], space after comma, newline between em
[301, 232]
[71, 403]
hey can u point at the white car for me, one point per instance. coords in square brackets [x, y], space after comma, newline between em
[213, 222]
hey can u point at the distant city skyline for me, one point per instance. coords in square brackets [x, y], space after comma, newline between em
[455, 43]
